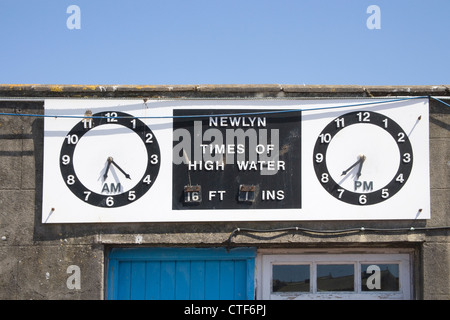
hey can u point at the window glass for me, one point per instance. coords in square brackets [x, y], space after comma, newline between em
[290, 278]
[335, 277]
[380, 277]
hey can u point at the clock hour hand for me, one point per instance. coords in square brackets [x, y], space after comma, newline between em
[361, 159]
[120, 169]
[110, 159]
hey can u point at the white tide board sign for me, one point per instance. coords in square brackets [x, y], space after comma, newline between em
[60, 205]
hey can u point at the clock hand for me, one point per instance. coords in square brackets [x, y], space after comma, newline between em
[362, 158]
[352, 166]
[121, 170]
[110, 159]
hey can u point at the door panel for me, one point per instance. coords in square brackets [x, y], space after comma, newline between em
[176, 273]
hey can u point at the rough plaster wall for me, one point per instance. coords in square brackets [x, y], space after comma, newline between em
[436, 250]
[33, 259]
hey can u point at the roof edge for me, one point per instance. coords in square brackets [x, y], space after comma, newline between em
[218, 91]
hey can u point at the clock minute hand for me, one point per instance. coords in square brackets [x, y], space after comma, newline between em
[107, 168]
[362, 158]
[121, 170]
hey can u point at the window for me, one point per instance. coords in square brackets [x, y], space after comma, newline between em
[290, 278]
[333, 276]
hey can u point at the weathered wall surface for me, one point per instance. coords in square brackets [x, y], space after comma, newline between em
[34, 258]
[436, 249]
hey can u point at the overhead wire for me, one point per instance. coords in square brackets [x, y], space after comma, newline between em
[333, 231]
[225, 114]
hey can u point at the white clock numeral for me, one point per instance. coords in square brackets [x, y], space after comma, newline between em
[385, 123]
[72, 139]
[401, 137]
[70, 179]
[324, 178]
[131, 195]
[339, 122]
[87, 123]
[87, 193]
[111, 116]
[363, 199]
[385, 193]
[400, 178]
[110, 201]
[148, 138]
[154, 159]
[363, 116]
[325, 137]
[134, 123]
[319, 157]
[65, 159]
[341, 192]
[406, 157]
[147, 179]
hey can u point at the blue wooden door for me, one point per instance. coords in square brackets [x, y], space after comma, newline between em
[181, 273]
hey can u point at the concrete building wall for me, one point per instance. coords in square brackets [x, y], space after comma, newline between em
[36, 258]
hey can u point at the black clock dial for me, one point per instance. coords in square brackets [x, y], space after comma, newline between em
[362, 185]
[110, 194]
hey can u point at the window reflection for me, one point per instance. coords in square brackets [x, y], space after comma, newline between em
[290, 278]
[380, 277]
[335, 277]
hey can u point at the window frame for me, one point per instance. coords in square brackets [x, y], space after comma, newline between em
[266, 259]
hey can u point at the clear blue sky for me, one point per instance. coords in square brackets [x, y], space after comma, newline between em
[225, 42]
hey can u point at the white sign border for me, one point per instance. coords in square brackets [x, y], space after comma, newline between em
[59, 205]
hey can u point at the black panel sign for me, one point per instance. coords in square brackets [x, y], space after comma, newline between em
[236, 159]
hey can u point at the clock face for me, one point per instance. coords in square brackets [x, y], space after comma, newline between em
[110, 160]
[362, 158]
